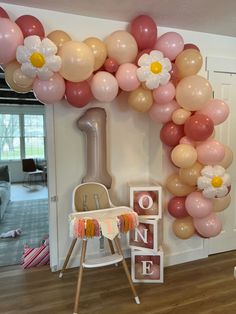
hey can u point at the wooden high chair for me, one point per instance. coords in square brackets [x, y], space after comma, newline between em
[95, 215]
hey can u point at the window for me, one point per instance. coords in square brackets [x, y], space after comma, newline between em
[22, 135]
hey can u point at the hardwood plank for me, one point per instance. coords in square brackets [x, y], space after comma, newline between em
[200, 287]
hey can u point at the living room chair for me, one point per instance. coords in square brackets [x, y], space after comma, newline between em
[31, 172]
[94, 215]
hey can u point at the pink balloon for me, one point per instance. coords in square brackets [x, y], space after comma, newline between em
[176, 207]
[51, 91]
[3, 13]
[78, 94]
[171, 44]
[186, 140]
[209, 226]
[144, 30]
[164, 93]
[10, 38]
[216, 109]
[111, 65]
[104, 86]
[210, 152]
[191, 46]
[127, 77]
[198, 127]
[30, 25]
[163, 112]
[171, 133]
[197, 205]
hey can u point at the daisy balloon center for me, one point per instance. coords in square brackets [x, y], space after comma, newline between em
[37, 59]
[156, 67]
[216, 182]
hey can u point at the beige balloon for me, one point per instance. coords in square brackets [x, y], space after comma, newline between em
[140, 99]
[184, 155]
[99, 50]
[228, 158]
[188, 62]
[221, 203]
[22, 80]
[9, 73]
[177, 187]
[59, 37]
[179, 116]
[77, 61]
[183, 228]
[121, 46]
[193, 92]
[190, 175]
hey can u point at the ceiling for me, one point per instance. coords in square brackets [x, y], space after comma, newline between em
[210, 16]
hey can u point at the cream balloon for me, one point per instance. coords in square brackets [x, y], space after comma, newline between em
[99, 51]
[179, 116]
[140, 99]
[59, 37]
[192, 92]
[188, 62]
[184, 155]
[22, 80]
[190, 175]
[228, 158]
[221, 203]
[183, 228]
[9, 73]
[122, 47]
[77, 61]
[176, 187]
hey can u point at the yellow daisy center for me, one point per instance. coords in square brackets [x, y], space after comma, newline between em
[156, 67]
[37, 59]
[216, 182]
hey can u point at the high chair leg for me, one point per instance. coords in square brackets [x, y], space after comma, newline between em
[111, 246]
[68, 257]
[118, 246]
[82, 258]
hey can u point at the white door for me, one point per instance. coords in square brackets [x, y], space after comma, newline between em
[224, 86]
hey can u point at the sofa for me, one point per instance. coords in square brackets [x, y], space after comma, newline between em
[5, 189]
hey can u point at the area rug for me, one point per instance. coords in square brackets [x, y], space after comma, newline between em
[29, 216]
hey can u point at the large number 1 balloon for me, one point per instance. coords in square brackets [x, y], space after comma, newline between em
[93, 124]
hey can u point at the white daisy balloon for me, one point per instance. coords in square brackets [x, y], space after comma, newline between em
[154, 69]
[214, 181]
[38, 57]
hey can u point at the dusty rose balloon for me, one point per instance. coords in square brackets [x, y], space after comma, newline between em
[197, 205]
[140, 99]
[171, 44]
[164, 93]
[78, 94]
[183, 228]
[104, 86]
[174, 74]
[221, 203]
[122, 47]
[127, 77]
[193, 92]
[99, 51]
[209, 226]
[10, 38]
[59, 37]
[198, 127]
[228, 158]
[210, 152]
[191, 46]
[176, 187]
[3, 13]
[184, 155]
[144, 30]
[171, 133]
[9, 78]
[51, 91]
[30, 26]
[186, 140]
[176, 207]
[217, 110]
[162, 112]
[111, 65]
[22, 80]
[179, 116]
[188, 62]
[190, 175]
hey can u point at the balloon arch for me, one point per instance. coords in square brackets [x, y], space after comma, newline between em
[159, 73]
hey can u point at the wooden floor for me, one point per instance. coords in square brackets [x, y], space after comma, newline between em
[204, 286]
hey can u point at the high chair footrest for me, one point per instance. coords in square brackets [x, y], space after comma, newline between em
[103, 261]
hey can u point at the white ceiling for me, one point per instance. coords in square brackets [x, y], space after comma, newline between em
[210, 16]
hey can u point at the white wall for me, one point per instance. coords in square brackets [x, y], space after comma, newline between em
[134, 148]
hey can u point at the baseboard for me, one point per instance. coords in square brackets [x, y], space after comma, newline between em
[183, 257]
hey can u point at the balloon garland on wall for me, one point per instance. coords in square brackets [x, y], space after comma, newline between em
[159, 73]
